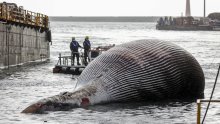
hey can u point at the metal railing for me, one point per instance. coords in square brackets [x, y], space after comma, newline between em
[22, 16]
[67, 61]
[64, 60]
[199, 101]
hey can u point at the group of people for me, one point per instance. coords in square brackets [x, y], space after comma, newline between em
[74, 46]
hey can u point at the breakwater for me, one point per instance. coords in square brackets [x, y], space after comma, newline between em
[22, 44]
[24, 35]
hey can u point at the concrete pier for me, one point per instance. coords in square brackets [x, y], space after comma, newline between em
[22, 44]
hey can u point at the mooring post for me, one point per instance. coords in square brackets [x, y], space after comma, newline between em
[198, 111]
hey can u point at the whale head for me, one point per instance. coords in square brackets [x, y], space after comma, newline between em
[82, 97]
[53, 104]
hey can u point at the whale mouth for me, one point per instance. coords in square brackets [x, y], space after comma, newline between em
[42, 108]
[34, 108]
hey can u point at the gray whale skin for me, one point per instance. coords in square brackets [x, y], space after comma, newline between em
[142, 70]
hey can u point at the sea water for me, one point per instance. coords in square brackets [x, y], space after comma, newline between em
[28, 84]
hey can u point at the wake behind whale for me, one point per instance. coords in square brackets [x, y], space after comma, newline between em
[141, 70]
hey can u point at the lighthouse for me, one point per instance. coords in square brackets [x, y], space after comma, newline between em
[188, 12]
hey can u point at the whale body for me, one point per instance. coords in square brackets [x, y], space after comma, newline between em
[142, 70]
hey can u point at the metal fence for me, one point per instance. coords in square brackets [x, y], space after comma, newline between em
[19, 15]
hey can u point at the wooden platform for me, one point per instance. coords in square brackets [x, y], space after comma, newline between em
[75, 70]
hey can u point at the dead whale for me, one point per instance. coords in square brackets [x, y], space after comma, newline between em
[136, 71]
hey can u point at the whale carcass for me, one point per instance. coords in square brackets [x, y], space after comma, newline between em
[141, 70]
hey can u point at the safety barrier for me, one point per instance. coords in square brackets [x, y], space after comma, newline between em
[199, 101]
[22, 16]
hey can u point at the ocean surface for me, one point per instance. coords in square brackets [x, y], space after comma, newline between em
[28, 84]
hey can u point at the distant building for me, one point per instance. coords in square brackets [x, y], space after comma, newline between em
[214, 16]
[189, 23]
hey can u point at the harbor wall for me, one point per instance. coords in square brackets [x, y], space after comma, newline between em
[184, 28]
[22, 44]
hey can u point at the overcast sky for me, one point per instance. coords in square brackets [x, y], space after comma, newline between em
[117, 7]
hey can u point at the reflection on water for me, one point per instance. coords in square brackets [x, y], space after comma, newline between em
[31, 83]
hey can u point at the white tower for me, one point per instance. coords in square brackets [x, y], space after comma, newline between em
[204, 8]
[188, 12]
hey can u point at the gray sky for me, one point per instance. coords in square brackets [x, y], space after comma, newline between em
[117, 7]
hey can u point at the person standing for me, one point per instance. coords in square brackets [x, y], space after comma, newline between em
[74, 46]
[87, 47]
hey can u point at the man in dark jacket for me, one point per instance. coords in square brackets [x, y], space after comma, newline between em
[87, 47]
[74, 46]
